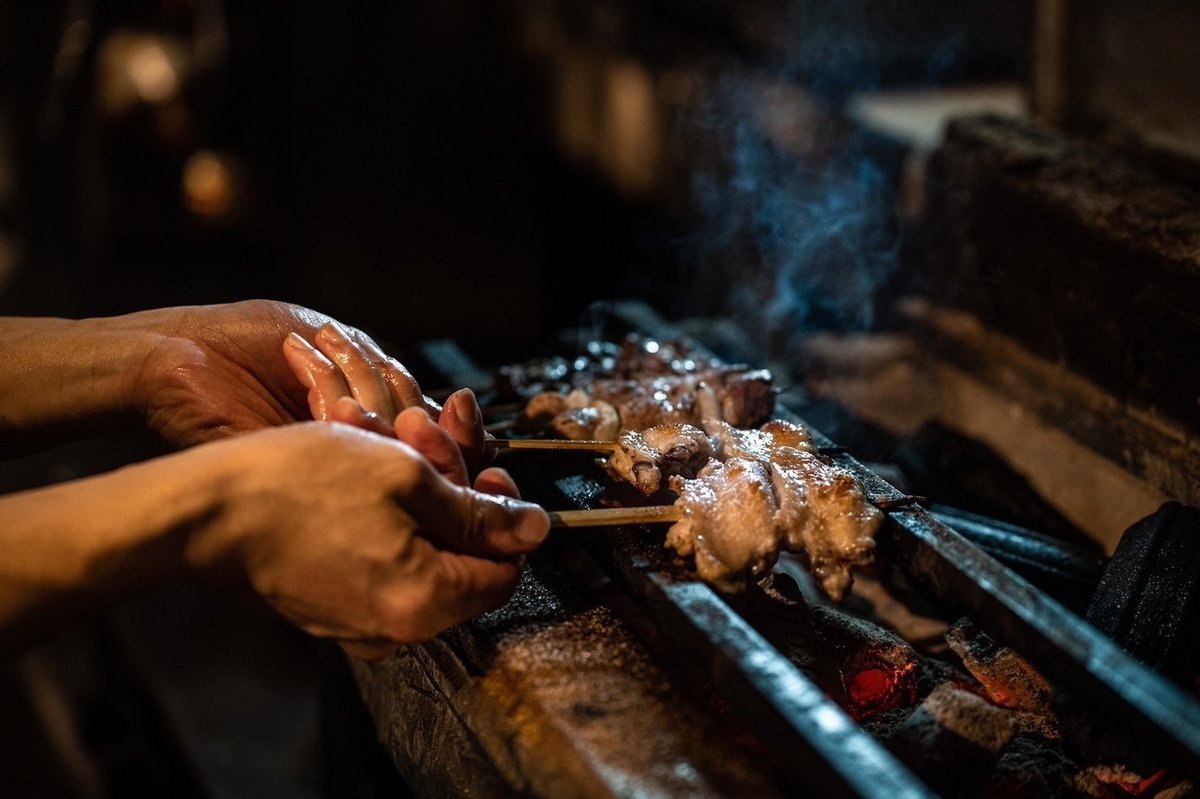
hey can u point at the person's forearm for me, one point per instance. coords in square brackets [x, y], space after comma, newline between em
[62, 378]
[68, 550]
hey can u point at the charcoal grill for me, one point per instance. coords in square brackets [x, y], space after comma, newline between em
[600, 595]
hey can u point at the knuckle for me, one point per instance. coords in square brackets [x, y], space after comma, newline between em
[405, 618]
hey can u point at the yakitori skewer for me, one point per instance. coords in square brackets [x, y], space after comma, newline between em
[588, 444]
[651, 514]
[553, 443]
[605, 517]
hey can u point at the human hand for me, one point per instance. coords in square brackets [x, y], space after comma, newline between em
[349, 383]
[363, 539]
[216, 370]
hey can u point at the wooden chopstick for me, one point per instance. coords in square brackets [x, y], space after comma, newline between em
[607, 517]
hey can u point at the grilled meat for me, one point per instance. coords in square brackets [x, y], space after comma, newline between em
[741, 397]
[729, 521]
[817, 509]
[645, 458]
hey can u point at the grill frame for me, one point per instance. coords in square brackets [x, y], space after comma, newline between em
[829, 751]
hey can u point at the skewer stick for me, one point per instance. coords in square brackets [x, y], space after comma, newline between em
[553, 443]
[608, 517]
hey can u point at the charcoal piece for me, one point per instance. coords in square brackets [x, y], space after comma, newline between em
[953, 739]
[880, 670]
[1148, 599]
[1029, 767]
[1008, 679]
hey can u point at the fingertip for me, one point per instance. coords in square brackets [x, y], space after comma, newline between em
[495, 480]
[412, 421]
[462, 418]
[532, 524]
[298, 354]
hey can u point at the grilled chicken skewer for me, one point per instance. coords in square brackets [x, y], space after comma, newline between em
[744, 496]
[608, 407]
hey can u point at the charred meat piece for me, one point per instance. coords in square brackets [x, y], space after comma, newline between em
[759, 443]
[641, 356]
[821, 512]
[729, 522]
[596, 422]
[514, 381]
[576, 416]
[747, 396]
[645, 458]
[837, 534]
[743, 399]
[671, 399]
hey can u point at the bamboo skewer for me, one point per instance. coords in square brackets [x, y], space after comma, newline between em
[605, 517]
[553, 443]
[651, 514]
[595, 446]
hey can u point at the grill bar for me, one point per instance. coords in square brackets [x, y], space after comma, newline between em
[822, 748]
[1058, 642]
[1010, 609]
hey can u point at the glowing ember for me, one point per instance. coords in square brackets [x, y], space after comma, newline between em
[1140, 787]
[876, 690]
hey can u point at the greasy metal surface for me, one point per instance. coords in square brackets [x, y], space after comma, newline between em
[549, 696]
[1066, 649]
[820, 748]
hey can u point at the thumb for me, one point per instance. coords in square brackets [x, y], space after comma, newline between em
[486, 525]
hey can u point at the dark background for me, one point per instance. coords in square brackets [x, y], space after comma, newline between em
[396, 174]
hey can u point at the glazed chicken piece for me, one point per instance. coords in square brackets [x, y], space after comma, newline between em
[645, 458]
[743, 398]
[758, 443]
[821, 511]
[640, 356]
[728, 523]
[576, 416]
[825, 517]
